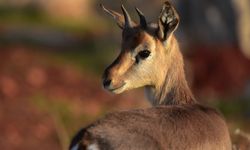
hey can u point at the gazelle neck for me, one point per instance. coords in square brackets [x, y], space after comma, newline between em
[173, 89]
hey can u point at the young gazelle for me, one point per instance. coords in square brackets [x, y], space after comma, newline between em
[150, 58]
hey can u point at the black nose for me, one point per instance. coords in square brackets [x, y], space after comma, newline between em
[106, 82]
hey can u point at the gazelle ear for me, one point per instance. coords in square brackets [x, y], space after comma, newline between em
[168, 21]
[123, 21]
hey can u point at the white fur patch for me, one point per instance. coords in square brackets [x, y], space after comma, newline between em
[93, 147]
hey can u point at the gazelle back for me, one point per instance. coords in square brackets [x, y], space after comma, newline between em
[150, 58]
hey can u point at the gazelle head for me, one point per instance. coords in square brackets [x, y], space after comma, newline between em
[145, 52]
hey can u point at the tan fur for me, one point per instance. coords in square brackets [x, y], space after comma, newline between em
[177, 121]
[164, 83]
[172, 88]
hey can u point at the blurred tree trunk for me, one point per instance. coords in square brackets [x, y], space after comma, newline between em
[242, 8]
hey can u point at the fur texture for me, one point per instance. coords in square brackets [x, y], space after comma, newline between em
[180, 127]
[177, 121]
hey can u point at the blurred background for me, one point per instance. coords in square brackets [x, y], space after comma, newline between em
[53, 52]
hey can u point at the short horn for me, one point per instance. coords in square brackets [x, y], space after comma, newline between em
[111, 12]
[143, 21]
[117, 16]
[128, 21]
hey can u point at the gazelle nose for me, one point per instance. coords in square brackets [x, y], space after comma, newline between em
[106, 82]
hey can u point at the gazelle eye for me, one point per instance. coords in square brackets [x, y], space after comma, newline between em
[144, 54]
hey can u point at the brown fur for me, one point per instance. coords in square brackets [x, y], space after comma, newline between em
[177, 122]
[182, 127]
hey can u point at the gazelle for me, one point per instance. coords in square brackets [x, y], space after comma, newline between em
[150, 58]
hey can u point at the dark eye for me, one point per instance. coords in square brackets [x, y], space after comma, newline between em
[144, 54]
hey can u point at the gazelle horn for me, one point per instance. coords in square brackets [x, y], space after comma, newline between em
[128, 21]
[143, 21]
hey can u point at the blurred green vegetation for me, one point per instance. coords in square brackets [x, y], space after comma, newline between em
[33, 16]
[27, 14]
[236, 111]
[92, 49]
[92, 58]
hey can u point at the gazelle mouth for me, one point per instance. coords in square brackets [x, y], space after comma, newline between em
[118, 89]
